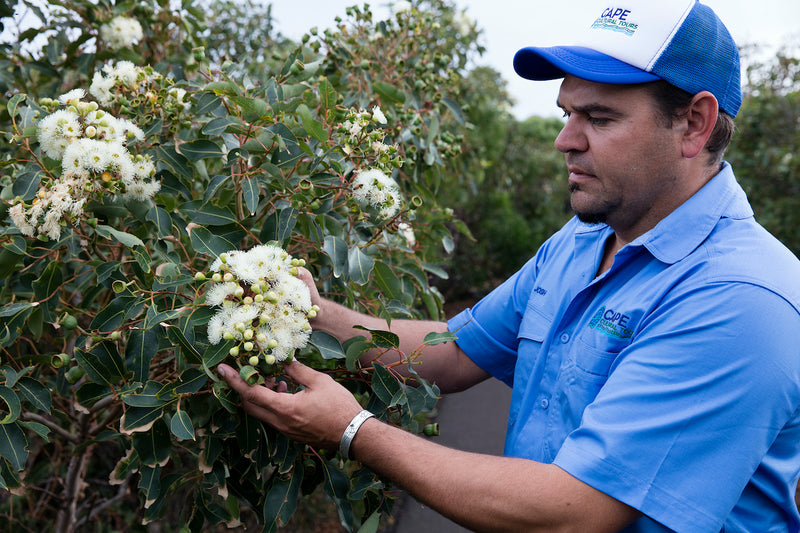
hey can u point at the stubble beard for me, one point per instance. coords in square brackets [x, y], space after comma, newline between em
[595, 214]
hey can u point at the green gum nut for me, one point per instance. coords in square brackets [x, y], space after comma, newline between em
[59, 360]
[74, 374]
[249, 374]
[431, 430]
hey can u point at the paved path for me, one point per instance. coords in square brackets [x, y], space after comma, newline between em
[473, 420]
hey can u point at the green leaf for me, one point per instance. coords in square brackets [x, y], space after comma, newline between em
[14, 102]
[390, 93]
[142, 258]
[149, 482]
[384, 339]
[154, 317]
[335, 248]
[205, 242]
[200, 149]
[217, 353]
[290, 152]
[40, 429]
[434, 338]
[454, 108]
[153, 446]
[13, 445]
[126, 239]
[103, 364]
[190, 353]
[359, 265]
[387, 281]
[26, 184]
[281, 500]
[13, 309]
[336, 484]
[181, 426]
[208, 101]
[250, 193]
[253, 109]
[46, 286]
[11, 400]
[137, 417]
[8, 262]
[384, 384]
[355, 349]
[327, 94]
[176, 161]
[219, 125]
[148, 397]
[192, 380]
[207, 214]
[37, 394]
[279, 225]
[370, 525]
[17, 245]
[328, 345]
[312, 127]
[435, 270]
[161, 219]
[113, 315]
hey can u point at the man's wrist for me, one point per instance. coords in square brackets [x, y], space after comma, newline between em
[350, 432]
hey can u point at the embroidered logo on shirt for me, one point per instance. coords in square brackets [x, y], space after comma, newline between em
[611, 323]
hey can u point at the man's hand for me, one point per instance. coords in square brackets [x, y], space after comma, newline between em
[317, 414]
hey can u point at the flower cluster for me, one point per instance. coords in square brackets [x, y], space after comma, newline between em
[373, 188]
[91, 146]
[262, 304]
[121, 32]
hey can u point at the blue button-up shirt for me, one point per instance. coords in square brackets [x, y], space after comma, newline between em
[670, 382]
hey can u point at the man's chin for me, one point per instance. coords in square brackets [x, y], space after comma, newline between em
[590, 217]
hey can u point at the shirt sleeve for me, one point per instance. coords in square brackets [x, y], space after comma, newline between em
[692, 407]
[488, 332]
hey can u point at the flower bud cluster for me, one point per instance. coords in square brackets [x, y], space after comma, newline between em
[141, 90]
[361, 138]
[91, 147]
[121, 32]
[263, 305]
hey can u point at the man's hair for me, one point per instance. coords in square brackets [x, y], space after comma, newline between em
[671, 103]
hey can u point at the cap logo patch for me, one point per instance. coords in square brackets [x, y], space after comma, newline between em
[616, 19]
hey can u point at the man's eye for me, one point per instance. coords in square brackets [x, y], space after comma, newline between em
[597, 121]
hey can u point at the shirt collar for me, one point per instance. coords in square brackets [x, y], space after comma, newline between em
[683, 230]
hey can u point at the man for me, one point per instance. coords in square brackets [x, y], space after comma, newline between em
[651, 343]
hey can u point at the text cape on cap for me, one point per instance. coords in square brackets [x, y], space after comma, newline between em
[637, 31]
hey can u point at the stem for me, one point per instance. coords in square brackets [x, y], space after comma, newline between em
[33, 417]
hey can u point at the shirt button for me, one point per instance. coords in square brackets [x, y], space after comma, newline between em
[544, 403]
[564, 337]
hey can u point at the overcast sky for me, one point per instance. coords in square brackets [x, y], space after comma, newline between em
[509, 25]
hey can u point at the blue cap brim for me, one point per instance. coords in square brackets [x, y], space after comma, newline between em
[537, 63]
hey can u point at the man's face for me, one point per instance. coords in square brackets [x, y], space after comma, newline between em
[623, 164]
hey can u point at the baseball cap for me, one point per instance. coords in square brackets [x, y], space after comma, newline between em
[636, 41]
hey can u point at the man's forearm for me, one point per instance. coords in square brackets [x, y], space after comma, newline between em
[487, 493]
[443, 363]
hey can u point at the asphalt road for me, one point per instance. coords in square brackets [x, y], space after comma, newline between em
[473, 420]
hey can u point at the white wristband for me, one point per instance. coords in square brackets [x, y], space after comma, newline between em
[350, 432]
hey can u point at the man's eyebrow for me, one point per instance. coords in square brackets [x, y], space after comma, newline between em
[592, 109]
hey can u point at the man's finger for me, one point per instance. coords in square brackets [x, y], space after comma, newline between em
[301, 373]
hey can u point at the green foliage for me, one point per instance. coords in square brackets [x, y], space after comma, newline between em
[107, 374]
[765, 147]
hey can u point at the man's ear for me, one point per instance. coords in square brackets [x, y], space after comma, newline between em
[701, 117]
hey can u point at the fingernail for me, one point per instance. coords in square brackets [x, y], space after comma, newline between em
[221, 371]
